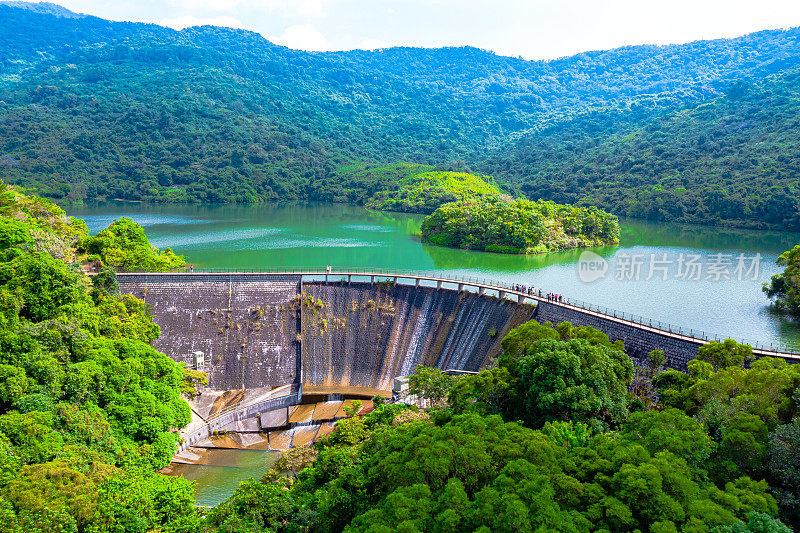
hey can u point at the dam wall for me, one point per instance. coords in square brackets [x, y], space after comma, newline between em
[638, 340]
[270, 330]
[366, 334]
[246, 326]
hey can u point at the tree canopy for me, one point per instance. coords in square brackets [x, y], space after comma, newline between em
[729, 160]
[785, 286]
[123, 244]
[551, 439]
[88, 409]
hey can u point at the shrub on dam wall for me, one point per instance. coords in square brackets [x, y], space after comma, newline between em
[123, 244]
[473, 466]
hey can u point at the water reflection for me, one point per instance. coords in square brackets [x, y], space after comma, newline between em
[710, 238]
[450, 258]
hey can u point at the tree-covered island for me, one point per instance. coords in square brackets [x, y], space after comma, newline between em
[506, 225]
[471, 211]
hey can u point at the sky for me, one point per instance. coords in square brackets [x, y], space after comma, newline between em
[532, 29]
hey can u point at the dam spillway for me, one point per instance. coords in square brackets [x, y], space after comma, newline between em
[270, 330]
[351, 329]
[365, 334]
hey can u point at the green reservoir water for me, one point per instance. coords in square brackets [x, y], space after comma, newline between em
[222, 472]
[714, 299]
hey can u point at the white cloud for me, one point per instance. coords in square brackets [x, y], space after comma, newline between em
[286, 8]
[309, 8]
[303, 37]
[531, 28]
[188, 21]
[372, 44]
[207, 5]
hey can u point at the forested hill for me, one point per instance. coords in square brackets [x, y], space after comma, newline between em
[734, 159]
[91, 108]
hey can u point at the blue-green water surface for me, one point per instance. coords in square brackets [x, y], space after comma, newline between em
[253, 237]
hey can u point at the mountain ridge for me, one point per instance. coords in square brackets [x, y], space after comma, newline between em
[46, 8]
[734, 159]
[94, 108]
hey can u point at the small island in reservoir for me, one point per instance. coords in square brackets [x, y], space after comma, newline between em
[473, 212]
[518, 226]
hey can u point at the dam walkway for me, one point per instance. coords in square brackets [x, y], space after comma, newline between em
[629, 327]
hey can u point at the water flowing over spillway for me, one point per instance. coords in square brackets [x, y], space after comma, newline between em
[366, 335]
[273, 330]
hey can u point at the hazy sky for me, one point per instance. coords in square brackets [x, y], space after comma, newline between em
[532, 29]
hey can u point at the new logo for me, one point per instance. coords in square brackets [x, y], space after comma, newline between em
[591, 267]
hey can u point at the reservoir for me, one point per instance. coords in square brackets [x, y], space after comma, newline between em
[697, 277]
[718, 299]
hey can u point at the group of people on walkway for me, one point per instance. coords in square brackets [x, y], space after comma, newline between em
[532, 291]
[528, 290]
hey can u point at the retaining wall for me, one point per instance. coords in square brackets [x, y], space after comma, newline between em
[638, 341]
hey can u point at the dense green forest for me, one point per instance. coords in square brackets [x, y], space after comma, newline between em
[93, 109]
[784, 287]
[506, 225]
[734, 159]
[88, 408]
[565, 434]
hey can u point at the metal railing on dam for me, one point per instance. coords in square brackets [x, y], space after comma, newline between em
[503, 290]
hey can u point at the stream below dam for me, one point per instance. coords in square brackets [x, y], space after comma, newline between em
[220, 471]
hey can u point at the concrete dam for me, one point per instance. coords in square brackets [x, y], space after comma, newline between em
[270, 330]
[363, 328]
[285, 350]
